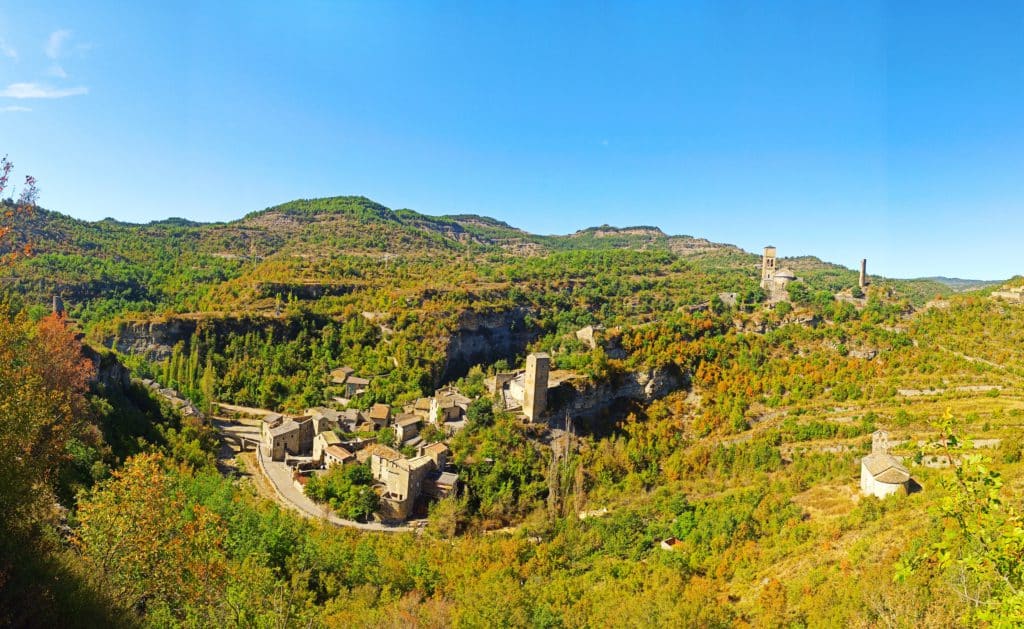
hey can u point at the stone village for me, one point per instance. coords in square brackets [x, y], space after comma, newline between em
[409, 471]
[313, 442]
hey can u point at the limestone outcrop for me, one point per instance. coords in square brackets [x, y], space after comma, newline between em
[583, 399]
[483, 338]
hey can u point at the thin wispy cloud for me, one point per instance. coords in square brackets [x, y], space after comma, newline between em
[55, 42]
[56, 47]
[14, 108]
[38, 90]
[7, 50]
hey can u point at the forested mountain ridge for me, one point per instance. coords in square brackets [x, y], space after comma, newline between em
[164, 264]
[318, 221]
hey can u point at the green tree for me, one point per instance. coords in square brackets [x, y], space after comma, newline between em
[146, 544]
[977, 539]
[480, 412]
[347, 489]
[799, 293]
[208, 383]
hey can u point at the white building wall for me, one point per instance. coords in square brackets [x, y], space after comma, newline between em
[871, 487]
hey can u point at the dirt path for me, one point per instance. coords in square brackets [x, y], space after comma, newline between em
[973, 359]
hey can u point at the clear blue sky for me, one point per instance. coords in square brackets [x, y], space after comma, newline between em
[892, 131]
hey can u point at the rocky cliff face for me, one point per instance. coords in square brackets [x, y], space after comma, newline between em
[478, 338]
[152, 339]
[303, 290]
[108, 372]
[155, 339]
[591, 401]
[482, 338]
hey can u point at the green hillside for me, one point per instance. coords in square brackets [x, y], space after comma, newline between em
[748, 466]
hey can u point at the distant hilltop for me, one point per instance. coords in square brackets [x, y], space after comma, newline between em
[356, 225]
[960, 285]
[353, 223]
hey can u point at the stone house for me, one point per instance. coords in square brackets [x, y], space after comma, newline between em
[438, 484]
[349, 419]
[321, 442]
[367, 453]
[346, 377]
[323, 418]
[337, 455]
[882, 475]
[402, 481]
[341, 374]
[403, 484]
[355, 385]
[421, 408]
[448, 405]
[279, 436]
[407, 427]
[307, 430]
[438, 453]
[379, 415]
[287, 436]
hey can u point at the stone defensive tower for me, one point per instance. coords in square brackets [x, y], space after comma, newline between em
[535, 385]
[863, 273]
[773, 279]
[768, 268]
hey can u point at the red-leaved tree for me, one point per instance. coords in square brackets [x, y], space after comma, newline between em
[15, 210]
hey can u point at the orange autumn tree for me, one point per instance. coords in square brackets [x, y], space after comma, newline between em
[14, 210]
[145, 543]
[43, 382]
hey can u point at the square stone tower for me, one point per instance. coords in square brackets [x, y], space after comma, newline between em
[768, 268]
[535, 394]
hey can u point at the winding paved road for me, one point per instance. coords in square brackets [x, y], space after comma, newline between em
[279, 476]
